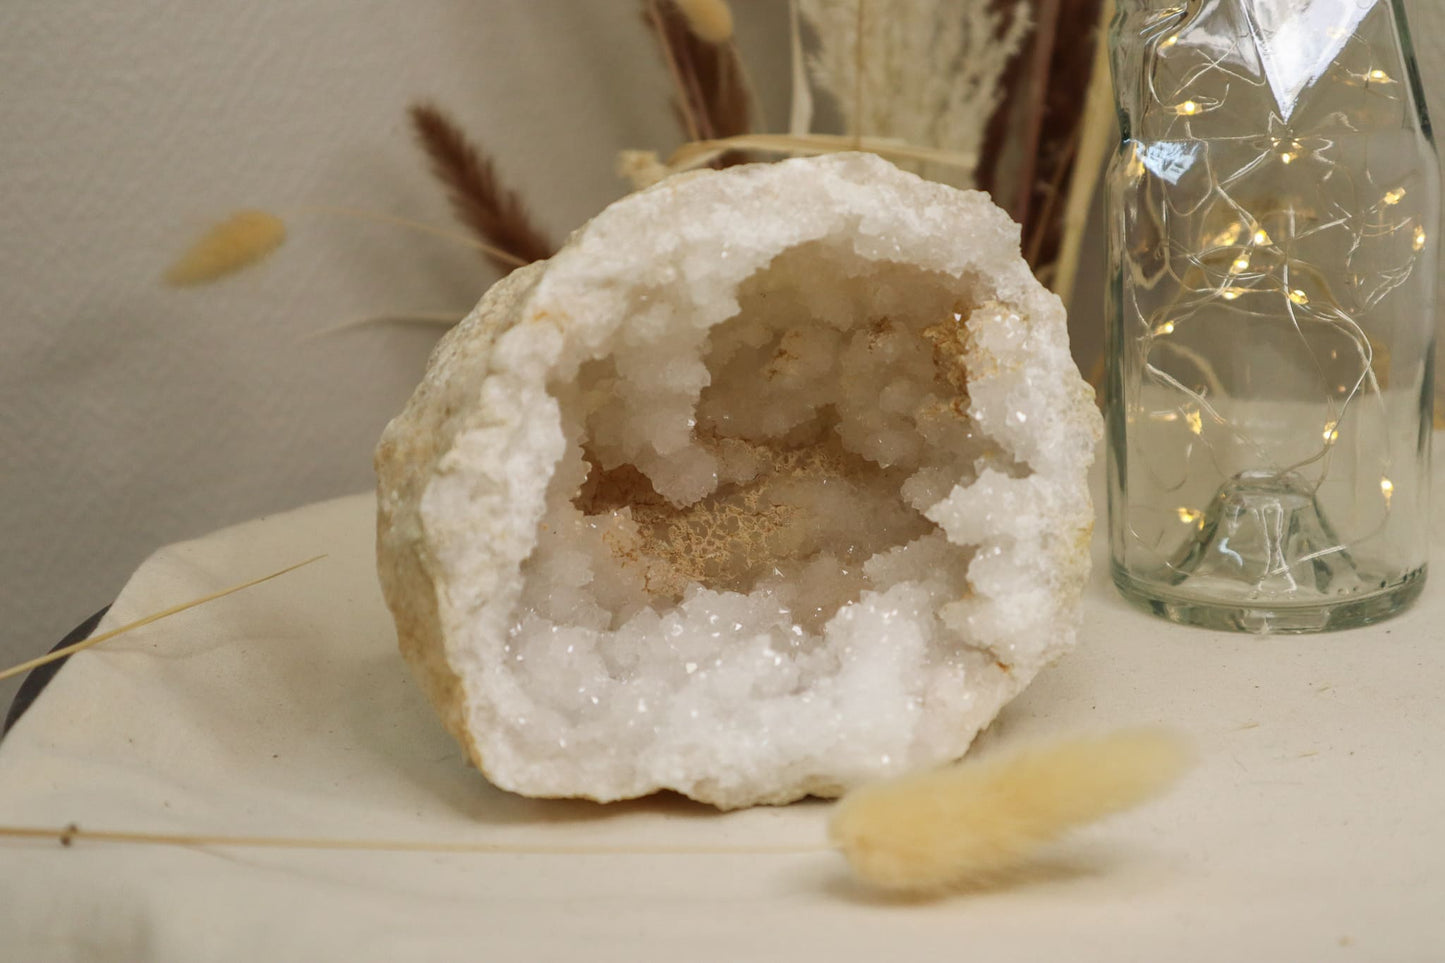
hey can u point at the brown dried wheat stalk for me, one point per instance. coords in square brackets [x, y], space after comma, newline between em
[495, 214]
[712, 101]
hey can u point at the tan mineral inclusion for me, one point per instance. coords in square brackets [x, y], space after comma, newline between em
[771, 482]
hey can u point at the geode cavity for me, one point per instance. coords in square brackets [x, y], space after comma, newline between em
[772, 481]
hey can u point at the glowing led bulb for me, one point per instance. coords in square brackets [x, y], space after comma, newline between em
[1261, 237]
[1331, 432]
[1387, 488]
[1188, 515]
[1229, 294]
[1196, 423]
[1240, 264]
[1166, 328]
[1187, 109]
[1378, 76]
[1228, 236]
[1136, 165]
[1394, 197]
[1170, 41]
[1420, 238]
[1299, 297]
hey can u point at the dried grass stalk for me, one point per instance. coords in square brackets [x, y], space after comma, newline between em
[712, 90]
[800, 111]
[1096, 128]
[690, 156]
[94, 640]
[496, 215]
[643, 168]
[73, 833]
[966, 825]
[1062, 76]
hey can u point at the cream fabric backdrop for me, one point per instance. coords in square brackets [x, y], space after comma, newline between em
[132, 416]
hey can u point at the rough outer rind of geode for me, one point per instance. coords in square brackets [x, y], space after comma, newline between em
[772, 481]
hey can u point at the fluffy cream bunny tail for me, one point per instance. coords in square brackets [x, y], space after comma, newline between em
[975, 820]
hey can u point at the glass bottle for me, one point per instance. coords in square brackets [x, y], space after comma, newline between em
[1273, 208]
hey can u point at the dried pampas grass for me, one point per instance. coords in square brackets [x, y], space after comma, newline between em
[916, 70]
[239, 241]
[973, 822]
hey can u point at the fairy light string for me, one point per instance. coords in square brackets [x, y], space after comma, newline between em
[1227, 247]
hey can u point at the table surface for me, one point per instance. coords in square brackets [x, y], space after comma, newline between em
[1309, 830]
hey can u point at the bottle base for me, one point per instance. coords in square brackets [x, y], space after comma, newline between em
[1265, 616]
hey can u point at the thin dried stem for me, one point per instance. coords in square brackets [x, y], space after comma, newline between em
[684, 103]
[70, 650]
[1096, 126]
[694, 155]
[72, 834]
[800, 112]
[1043, 224]
[439, 319]
[421, 227]
[859, 64]
[1046, 21]
[713, 96]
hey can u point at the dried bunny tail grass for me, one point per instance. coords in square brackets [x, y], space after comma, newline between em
[238, 242]
[711, 21]
[918, 71]
[974, 821]
[70, 650]
[494, 214]
[641, 167]
[231, 233]
[925, 832]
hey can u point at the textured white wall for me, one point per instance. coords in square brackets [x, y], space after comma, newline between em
[132, 415]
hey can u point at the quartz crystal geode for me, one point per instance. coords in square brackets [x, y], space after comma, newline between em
[770, 482]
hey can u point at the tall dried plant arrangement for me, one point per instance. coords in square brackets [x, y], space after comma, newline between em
[712, 97]
[920, 71]
[1035, 136]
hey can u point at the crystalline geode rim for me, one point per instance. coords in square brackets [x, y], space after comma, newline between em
[462, 471]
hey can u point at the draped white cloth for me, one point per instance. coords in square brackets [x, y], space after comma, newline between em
[1311, 823]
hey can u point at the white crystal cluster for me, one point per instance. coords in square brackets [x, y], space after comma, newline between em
[770, 482]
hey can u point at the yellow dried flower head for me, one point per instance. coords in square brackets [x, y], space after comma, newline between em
[709, 20]
[237, 242]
